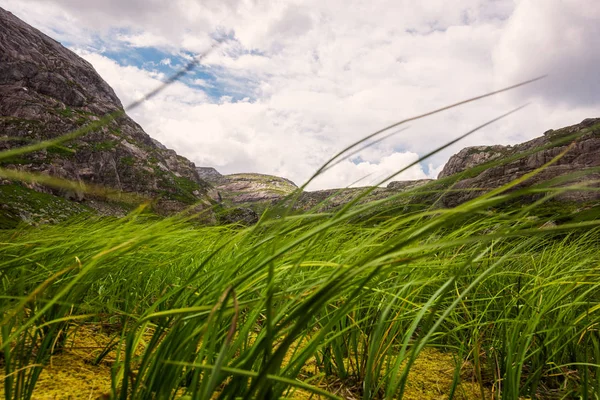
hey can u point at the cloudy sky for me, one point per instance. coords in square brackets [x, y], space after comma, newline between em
[295, 81]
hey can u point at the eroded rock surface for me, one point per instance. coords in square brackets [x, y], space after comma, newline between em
[582, 156]
[47, 91]
[236, 189]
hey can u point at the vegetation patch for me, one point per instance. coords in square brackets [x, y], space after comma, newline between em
[128, 160]
[66, 112]
[61, 151]
[22, 204]
[106, 145]
[457, 303]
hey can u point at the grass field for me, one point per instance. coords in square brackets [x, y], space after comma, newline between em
[477, 301]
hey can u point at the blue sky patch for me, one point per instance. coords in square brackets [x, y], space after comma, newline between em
[202, 77]
[216, 82]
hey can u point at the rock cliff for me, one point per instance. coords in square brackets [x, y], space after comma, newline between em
[583, 157]
[46, 91]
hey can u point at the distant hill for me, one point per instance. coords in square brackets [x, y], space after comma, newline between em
[469, 173]
[239, 189]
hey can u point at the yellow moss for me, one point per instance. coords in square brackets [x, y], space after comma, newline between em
[431, 378]
[71, 374]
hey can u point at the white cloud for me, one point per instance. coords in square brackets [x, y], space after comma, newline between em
[131, 83]
[143, 39]
[371, 173]
[203, 83]
[557, 37]
[321, 75]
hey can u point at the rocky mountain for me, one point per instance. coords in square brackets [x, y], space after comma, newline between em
[476, 172]
[47, 91]
[243, 197]
[479, 169]
[243, 193]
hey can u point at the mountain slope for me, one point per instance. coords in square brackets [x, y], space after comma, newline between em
[46, 91]
[582, 156]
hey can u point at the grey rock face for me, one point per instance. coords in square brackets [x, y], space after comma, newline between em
[581, 157]
[211, 175]
[47, 91]
[470, 157]
[252, 188]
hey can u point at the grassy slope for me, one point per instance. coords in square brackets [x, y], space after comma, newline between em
[244, 312]
[22, 204]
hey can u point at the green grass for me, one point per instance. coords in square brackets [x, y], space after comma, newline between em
[227, 306]
[37, 207]
[65, 112]
[104, 146]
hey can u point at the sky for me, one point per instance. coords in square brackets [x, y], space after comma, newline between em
[293, 82]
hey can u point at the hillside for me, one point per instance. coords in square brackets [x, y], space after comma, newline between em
[47, 91]
[480, 169]
[467, 174]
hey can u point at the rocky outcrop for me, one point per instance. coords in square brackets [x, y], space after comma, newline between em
[238, 189]
[47, 91]
[478, 178]
[470, 157]
[211, 175]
